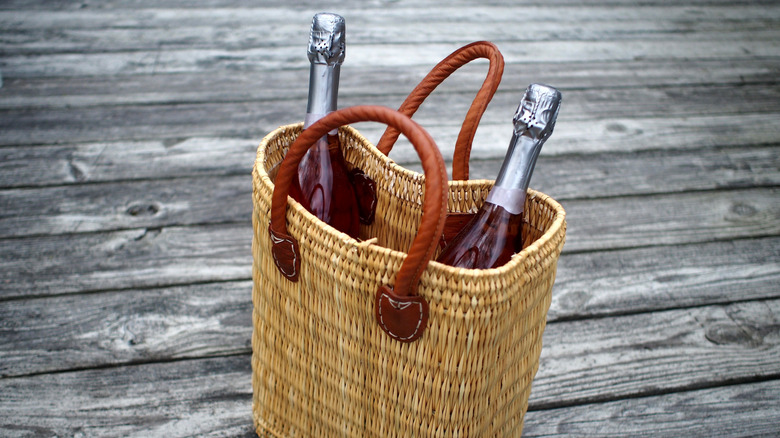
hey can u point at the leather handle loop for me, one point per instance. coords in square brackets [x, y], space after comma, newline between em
[434, 203]
[457, 59]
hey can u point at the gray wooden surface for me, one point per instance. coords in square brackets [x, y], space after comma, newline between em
[128, 131]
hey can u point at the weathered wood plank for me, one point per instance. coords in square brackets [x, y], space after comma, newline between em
[244, 120]
[125, 160]
[571, 136]
[629, 134]
[218, 199]
[564, 176]
[209, 398]
[593, 224]
[134, 326]
[128, 326]
[58, 264]
[90, 31]
[378, 55]
[588, 115]
[673, 104]
[671, 219]
[648, 172]
[148, 204]
[174, 255]
[445, 108]
[236, 86]
[315, 5]
[596, 284]
[645, 354]
[65, 264]
[746, 410]
[635, 356]
[367, 20]
[219, 390]
[34, 42]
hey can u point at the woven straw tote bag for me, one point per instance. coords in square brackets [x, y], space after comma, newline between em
[370, 337]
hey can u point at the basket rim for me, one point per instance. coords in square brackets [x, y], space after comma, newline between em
[556, 228]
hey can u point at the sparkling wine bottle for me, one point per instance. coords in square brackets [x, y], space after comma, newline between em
[323, 184]
[491, 238]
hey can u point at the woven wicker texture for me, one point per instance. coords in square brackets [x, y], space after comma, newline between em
[322, 366]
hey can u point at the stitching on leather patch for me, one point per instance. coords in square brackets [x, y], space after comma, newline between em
[400, 305]
[283, 267]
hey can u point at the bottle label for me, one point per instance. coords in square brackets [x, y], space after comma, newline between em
[313, 117]
[512, 200]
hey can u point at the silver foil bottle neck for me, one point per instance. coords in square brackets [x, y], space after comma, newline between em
[327, 43]
[537, 112]
[534, 122]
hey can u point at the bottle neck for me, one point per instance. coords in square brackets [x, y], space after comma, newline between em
[323, 91]
[511, 184]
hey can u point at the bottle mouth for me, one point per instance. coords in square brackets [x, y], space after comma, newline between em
[327, 43]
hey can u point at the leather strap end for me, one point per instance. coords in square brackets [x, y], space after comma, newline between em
[403, 318]
[365, 190]
[286, 254]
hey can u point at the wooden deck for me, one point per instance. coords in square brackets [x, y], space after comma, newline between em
[127, 134]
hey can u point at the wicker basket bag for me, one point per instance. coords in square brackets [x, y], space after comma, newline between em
[370, 337]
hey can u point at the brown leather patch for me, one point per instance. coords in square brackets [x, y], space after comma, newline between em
[452, 226]
[286, 255]
[403, 318]
[365, 190]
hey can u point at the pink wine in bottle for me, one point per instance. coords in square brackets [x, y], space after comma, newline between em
[491, 238]
[323, 184]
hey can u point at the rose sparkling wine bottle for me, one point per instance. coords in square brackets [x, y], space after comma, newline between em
[491, 238]
[323, 185]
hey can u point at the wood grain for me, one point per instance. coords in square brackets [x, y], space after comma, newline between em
[217, 199]
[212, 397]
[207, 397]
[117, 206]
[68, 263]
[214, 200]
[611, 134]
[746, 410]
[361, 82]
[265, 59]
[657, 352]
[125, 327]
[90, 30]
[592, 120]
[596, 284]
[671, 219]
[590, 175]
[64, 264]
[125, 160]
[668, 350]
[314, 5]
[196, 320]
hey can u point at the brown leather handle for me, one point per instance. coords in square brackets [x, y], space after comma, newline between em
[434, 204]
[458, 58]
[399, 311]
